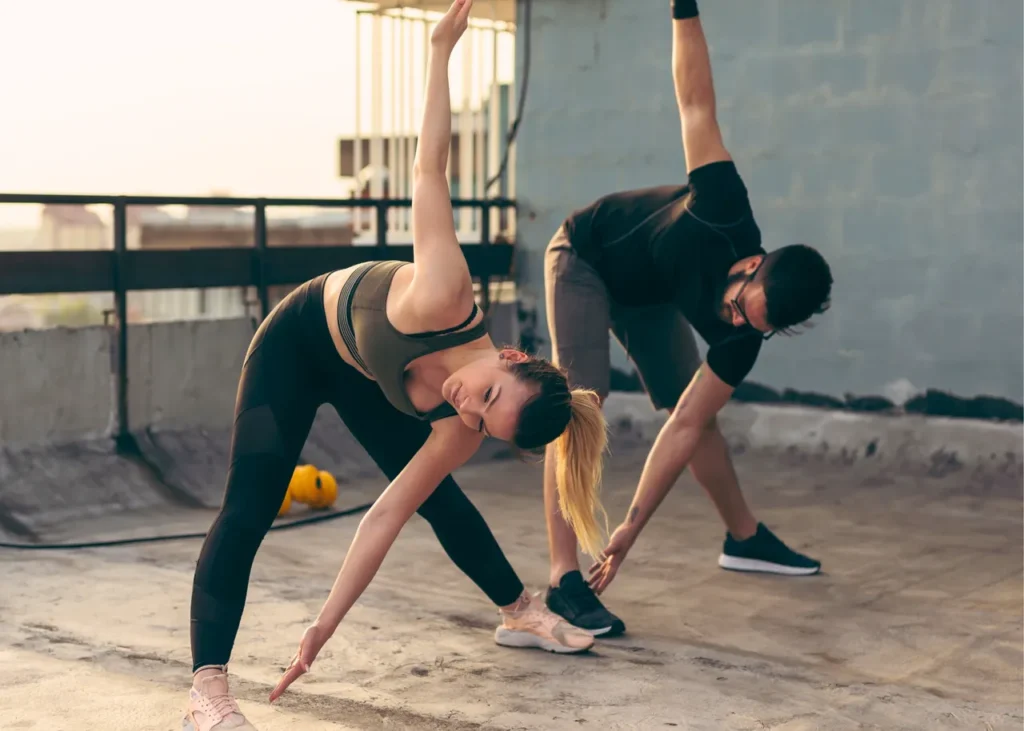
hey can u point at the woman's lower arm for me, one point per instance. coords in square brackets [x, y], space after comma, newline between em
[436, 125]
[374, 538]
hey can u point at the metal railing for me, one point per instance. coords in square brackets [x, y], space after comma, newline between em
[121, 270]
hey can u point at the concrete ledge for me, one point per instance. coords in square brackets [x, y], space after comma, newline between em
[48, 488]
[927, 445]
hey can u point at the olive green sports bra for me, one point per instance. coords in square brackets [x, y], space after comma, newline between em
[379, 348]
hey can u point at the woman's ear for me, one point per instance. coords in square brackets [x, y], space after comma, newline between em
[512, 355]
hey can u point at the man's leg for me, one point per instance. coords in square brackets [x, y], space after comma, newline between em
[749, 545]
[578, 307]
[712, 467]
[660, 342]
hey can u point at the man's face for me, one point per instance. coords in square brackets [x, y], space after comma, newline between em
[744, 300]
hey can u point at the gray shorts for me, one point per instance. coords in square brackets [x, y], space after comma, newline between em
[658, 339]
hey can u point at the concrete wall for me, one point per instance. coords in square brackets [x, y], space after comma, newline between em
[56, 385]
[59, 385]
[887, 133]
[185, 374]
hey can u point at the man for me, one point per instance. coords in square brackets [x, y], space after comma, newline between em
[648, 264]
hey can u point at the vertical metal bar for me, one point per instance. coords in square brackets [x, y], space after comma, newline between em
[510, 171]
[377, 109]
[260, 234]
[485, 240]
[494, 124]
[357, 150]
[382, 226]
[393, 192]
[479, 128]
[400, 131]
[121, 315]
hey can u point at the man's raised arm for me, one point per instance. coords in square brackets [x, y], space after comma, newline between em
[695, 92]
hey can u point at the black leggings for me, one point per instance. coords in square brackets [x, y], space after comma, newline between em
[290, 370]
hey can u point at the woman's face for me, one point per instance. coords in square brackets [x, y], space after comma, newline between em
[487, 396]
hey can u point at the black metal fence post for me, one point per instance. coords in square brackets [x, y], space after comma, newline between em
[382, 227]
[121, 316]
[260, 232]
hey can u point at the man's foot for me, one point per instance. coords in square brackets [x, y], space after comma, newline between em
[765, 553]
[577, 604]
[212, 708]
[531, 624]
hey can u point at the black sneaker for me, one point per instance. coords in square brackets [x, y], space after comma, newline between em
[577, 604]
[766, 553]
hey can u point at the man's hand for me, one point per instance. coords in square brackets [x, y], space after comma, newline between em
[313, 640]
[603, 571]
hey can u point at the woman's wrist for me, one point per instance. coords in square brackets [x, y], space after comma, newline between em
[441, 48]
[326, 625]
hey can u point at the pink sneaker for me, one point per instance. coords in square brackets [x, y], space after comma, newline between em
[532, 624]
[211, 707]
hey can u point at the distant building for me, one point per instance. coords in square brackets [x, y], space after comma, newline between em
[72, 227]
[208, 227]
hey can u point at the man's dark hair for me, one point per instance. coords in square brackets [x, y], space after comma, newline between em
[797, 284]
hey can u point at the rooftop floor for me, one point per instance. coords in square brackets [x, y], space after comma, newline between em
[915, 623]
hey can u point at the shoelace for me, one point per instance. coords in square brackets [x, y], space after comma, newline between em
[223, 704]
[536, 616]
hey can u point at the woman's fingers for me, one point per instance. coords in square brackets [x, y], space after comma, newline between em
[294, 671]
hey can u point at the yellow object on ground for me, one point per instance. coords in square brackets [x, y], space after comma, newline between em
[313, 487]
[327, 490]
[303, 483]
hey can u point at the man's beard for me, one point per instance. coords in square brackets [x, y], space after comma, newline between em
[724, 307]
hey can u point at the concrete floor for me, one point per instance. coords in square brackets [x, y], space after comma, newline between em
[916, 622]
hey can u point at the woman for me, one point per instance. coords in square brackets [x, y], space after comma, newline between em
[401, 352]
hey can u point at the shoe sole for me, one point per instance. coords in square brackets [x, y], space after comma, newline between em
[609, 631]
[733, 563]
[513, 638]
[187, 725]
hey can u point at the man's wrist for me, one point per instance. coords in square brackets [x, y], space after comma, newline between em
[683, 9]
[632, 522]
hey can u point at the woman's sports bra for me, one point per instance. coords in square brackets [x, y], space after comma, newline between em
[380, 349]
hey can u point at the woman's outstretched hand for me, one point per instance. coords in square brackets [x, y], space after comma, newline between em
[313, 640]
[450, 28]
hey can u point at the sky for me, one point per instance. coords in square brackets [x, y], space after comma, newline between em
[247, 97]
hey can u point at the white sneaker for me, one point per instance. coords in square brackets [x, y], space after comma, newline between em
[212, 708]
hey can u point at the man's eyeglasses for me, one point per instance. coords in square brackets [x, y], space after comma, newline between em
[739, 307]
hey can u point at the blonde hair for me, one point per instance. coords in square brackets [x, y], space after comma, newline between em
[573, 420]
[579, 466]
